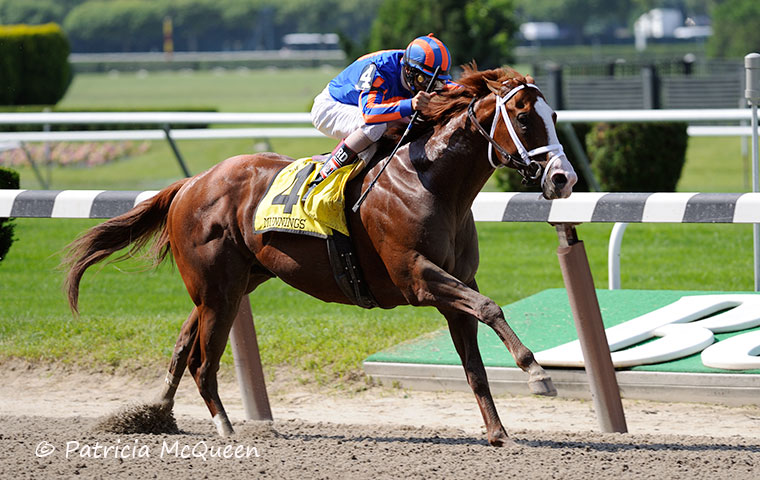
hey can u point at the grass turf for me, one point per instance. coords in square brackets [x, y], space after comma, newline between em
[131, 314]
[290, 90]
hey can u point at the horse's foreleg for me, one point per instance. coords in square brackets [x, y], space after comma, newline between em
[464, 333]
[178, 363]
[436, 287]
[539, 382]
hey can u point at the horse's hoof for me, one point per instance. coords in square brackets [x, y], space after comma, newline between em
[223, 425]
[501, 440]
[542, 386]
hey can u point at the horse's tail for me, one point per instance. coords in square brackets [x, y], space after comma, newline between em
[135, 227]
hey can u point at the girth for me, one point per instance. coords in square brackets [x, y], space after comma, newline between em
[347, 272]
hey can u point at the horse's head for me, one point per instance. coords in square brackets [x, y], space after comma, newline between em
[524, 136]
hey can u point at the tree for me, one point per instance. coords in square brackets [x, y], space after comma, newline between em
[239, 19]
[584, 17]
[736, 29]
[480, 30]
[347, 17]
[197, 24]
[34, 12]
[117, 25]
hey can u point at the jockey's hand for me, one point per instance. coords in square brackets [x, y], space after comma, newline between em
[421, 100]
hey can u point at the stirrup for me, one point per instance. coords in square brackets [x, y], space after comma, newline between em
[340, 157]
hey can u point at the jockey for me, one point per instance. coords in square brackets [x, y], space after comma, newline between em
[378, 88]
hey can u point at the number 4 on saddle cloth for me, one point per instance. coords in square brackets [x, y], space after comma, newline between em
[283, 209]
[322, 215]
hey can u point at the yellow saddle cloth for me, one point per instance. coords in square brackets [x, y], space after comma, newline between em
[283, 209]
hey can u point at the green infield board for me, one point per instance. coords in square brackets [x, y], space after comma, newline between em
[544, 320]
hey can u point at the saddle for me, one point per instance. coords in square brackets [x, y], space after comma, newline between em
[321, 215]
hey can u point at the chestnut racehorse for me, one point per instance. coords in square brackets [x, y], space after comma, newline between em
[414, 235]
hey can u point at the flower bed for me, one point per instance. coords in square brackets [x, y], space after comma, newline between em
[77, 154]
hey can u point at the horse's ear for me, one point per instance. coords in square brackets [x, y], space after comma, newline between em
[494, 86]
[529, 79]
[506, 86]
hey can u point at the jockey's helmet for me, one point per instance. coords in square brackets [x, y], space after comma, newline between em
[421, 57]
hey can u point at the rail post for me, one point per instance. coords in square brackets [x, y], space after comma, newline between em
[588, 322]
[613, 255]
[554, 88]
[752, 94]
[250, 374]
[651, 87]
[167, 133]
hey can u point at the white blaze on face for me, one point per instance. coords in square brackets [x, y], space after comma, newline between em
[558, 163]
[545, 112]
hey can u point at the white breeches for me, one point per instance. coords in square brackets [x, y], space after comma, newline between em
[339, 120]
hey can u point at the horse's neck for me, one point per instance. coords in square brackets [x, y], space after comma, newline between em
[454, 166]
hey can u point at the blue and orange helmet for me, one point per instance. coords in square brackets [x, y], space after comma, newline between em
[426, 54]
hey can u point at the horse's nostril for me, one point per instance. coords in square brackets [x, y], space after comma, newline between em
[559, 180]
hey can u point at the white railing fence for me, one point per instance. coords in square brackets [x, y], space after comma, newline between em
[262, 125]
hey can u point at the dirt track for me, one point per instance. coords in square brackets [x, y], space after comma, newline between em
[374, 433]
[298, 449]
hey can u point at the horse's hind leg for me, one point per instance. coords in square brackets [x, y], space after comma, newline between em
[217, 313]
[464, 333]
[214, 329]
[185, 342]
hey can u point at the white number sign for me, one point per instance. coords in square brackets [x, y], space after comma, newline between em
[683, 328]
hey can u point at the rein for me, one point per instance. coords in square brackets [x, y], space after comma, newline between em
[528, 168]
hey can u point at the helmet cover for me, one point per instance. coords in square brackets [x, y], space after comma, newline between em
[426, 54]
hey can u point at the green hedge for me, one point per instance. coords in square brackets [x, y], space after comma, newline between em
[9, 179]
[625, 157]
[637, 157]
[34, 64]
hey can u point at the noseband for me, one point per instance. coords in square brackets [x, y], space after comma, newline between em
[528, 168]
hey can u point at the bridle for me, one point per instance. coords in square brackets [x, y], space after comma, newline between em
[528, 168]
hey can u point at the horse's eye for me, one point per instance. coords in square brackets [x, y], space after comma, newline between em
[522, 118]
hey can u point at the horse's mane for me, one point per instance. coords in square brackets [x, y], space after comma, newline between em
[474, 83]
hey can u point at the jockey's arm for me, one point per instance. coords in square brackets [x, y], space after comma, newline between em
[376, 108]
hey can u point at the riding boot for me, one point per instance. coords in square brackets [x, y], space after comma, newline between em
[340, 157]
